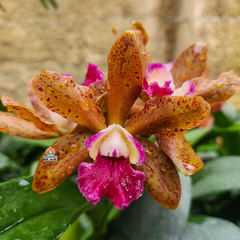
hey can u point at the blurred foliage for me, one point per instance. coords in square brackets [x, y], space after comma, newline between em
[209, 208]
[47, 2]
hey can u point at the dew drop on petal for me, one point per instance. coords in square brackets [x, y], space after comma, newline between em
[74, 147]
[83, 105]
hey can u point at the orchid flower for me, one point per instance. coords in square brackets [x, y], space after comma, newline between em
[105, 148]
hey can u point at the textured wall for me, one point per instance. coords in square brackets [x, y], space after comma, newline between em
[217, 23]
[66, 39]
[79, 31]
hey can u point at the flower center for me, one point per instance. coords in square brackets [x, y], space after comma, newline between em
[114, 146]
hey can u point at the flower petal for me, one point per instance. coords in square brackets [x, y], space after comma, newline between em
[137, 107]
[37, 105]
[61, 94]
[113, 177]
[124, 78]
[180, 151]
[177, 114]
[24, 112]
[157, 72]
[190, 64]
[187, 88]
[107, 143]
[217, 90]
[169, 66]
[138, 26]
[70, 151]
[154, 89]
[98, 89]
[142, 39]
[94, 75]
[162, 179]
[19, 127]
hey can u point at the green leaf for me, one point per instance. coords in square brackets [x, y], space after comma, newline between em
[41, 143]
[146, 219]
[25, 214]
[210, 228]
[195, 135]
[217, 176]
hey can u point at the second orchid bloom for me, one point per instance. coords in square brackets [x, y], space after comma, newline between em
[118, 162]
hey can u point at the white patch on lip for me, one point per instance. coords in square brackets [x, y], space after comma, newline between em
[114, 146]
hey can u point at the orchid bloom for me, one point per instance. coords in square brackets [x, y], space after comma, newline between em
[111, 160]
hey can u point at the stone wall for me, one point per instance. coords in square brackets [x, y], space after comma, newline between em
[65, 39]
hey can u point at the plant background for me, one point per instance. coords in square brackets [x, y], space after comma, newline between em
[64, 36]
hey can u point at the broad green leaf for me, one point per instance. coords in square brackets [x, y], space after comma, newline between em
[207, 156]
[218, 176]
[196, 134]
[25, 214]
[99, 216]
[8, 168]
[210, 228]
[146, 219]
[41, 143]
[220, 164]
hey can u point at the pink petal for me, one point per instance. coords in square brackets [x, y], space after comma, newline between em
[169, 65]
[154, 89]
[113, 177]
[187, 88]
[157, 72]
[94, 75]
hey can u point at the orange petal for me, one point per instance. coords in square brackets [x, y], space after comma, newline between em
[16, 126]
[37, 105]
[137, 107]
[190, 64]
[61, 94]
[98, 89]
[162, 179]
[217, 90]
[125, 78]
[180, 151]
[24, 112]
[176, 114]
[142, 39]
[70, 151]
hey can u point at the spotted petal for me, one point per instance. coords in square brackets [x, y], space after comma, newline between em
[180, 151]
[19, 127]
[37, 105]
[113, 177]
[124, 78]
[70, 151]
[190, 64]
[24, 112]
[61, 94]
[217, 90]
[176, 114]
[162, 180]
[98, 88]
[142, 39]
